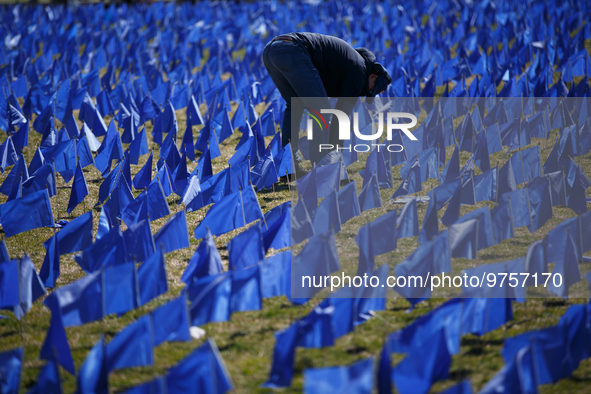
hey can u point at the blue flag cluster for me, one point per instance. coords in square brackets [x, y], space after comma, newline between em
[496, 98]
[332, 318]
[544, 356]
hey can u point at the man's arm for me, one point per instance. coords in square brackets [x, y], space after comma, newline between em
[351, 87]
[346, 105]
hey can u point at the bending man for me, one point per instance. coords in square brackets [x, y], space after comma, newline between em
[316, 65]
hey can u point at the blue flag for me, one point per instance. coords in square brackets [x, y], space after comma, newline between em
[446, 318]
[194, 112]
[30, 287]
[174, 234]
[163, 176]
[14, 176]
[48, 380]
[171, 321]
[318, 257]
[204, 368]
[26, 213]
[430, 226]
[431, 258]
[502, 222]
[79, 189]
[327, 216]
[4, 254]
[557, 240]
[93, 377]
[233, 211]
[276, 275]
[485, 186]
[187, 145]
[277, 234]
[348, 202]
[152, 277]
[138, 240]
[576, 196]
[11, 363]
[283, 161]
[8, 154]
[426, 364]
[356, 378]
[463, 239]
[481, 155]
[144, 176]
[109, 183]
[375, 164]
[567, 269]
[133, 213]
[408, 220]
[120, 289]
[383, 233]
[42, 179]
[301, 224]
[110, 149]
[77, 301]
[520, 208]
[206, 260]
[204, 168]
[308, 190]
[210, 298]
[192, 196]
[246, 290]
[263, 174]
[83, 152]
[483, 315]
[9, 293]
[156, 201]
[138, 147]
[283, 357]
[485, 236]
[133, 346]
[37, 161]
[540, 202]
[56, 347]
[370, 195]
[411, 183]
[247, 248]
[518, 376]
[50, 270]
[506, 179]
[366, 253]
[452, 213]
[107, 250]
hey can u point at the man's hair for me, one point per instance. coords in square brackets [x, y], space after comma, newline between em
[368, 55]
[378, 70]
[382, 81]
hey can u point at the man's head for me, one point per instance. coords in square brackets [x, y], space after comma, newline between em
[379, 79]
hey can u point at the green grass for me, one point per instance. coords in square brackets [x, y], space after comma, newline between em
[246, 342]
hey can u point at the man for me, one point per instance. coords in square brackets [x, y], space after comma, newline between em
[316, 65]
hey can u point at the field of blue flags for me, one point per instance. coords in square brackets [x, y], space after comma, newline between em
[149, 245]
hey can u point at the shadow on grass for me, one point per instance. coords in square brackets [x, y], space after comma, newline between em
[357, 350]
[238, 334]
[555, 302]
[459, 374]
[477, 346]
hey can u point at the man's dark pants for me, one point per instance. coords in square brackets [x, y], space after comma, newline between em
[291, 69]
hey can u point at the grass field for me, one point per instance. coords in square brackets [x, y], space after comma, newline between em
[246, 341]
